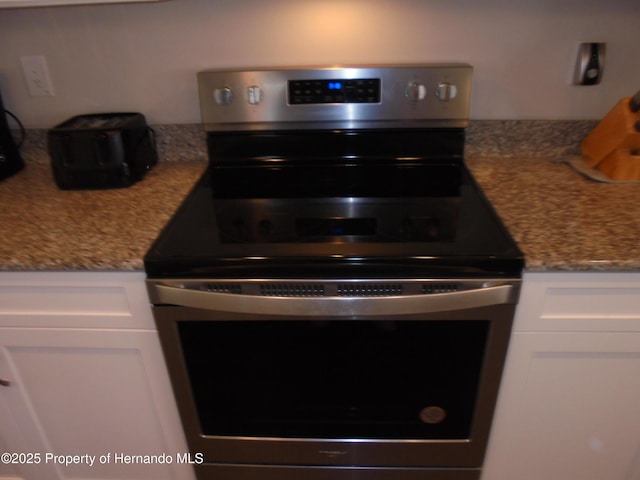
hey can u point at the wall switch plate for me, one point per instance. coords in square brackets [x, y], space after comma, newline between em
[37, 76]
[589, 64]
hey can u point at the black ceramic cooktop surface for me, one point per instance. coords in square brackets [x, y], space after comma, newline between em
[450, 234]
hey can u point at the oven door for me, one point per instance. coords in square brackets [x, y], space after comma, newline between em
[365, 376]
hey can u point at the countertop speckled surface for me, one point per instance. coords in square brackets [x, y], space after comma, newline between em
[560, 219]
[45, 228]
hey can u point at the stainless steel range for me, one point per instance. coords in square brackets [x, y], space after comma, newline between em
[335, 296]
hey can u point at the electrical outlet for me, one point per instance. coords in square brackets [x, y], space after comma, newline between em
[37, 76]
[589, 64]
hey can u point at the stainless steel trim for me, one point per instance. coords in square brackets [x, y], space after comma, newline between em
[165, 293]
[344, 441]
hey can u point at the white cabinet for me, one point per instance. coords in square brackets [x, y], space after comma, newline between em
[87, 378]
[569, 406]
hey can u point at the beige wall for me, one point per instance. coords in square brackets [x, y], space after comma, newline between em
[143, 57]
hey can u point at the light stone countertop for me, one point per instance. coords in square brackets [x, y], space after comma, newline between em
[45, 228]
[560, 219]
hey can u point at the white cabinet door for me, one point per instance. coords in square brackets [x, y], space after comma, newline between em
[570, 409]
[90, 393]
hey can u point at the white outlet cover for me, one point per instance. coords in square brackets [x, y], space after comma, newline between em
[36, 74]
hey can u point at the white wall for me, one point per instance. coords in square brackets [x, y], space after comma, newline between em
[143, 57]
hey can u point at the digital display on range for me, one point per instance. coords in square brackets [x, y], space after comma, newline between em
[319, 227]
[359, 90]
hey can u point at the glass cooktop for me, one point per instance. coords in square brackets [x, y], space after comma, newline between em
[451, 233]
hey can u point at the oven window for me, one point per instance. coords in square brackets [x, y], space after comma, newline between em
[335, 379]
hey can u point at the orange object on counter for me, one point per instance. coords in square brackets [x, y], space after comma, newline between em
[617, 130]
[621, 164]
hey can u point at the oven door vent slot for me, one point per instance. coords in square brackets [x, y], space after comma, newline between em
[224, 288]
[428, 288]
[369, 289]
[292, 290]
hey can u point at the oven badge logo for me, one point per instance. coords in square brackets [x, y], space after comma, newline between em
[333, 453]
[432, 414]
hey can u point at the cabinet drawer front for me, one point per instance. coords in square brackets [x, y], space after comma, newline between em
[78, 299]
[580, 302]
[63, 300]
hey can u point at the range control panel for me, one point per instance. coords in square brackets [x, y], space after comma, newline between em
[437, 95]
[359, 90]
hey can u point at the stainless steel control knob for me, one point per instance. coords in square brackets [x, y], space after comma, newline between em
[446, 91]
[223, 95]
[415, 92]
[254, 94]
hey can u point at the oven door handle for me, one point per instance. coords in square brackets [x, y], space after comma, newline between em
[332, 306]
